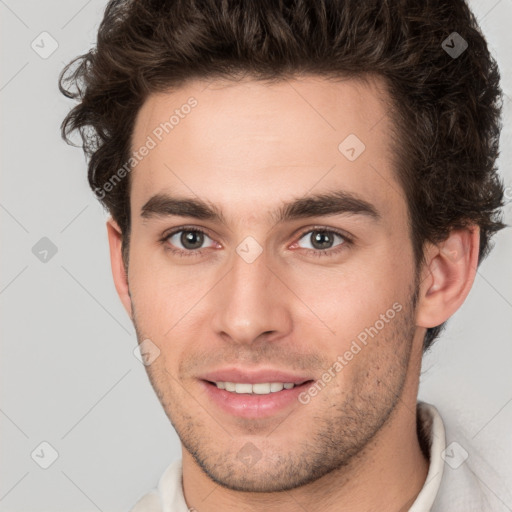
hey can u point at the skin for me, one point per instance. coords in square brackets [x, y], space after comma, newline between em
[354, 446]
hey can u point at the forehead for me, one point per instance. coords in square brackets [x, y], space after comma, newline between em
[249, 142]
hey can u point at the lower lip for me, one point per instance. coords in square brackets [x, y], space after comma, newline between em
[245, 405]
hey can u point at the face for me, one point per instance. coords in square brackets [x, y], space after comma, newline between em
[268, 247]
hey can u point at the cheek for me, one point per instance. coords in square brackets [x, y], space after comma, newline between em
[168, 302]
[359, 313]
[352, 295]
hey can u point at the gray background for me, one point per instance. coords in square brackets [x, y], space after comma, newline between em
[68, 373]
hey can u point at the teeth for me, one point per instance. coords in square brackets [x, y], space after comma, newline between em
[243, 388]
[263, 388]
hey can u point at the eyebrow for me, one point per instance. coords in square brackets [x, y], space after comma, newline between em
[330, 203]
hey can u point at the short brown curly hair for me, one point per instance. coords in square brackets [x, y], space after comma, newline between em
[446, 109]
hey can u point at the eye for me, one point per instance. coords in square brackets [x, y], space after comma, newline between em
[187, 241]
[323, 240]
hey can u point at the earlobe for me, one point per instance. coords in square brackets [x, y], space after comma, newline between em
[449, 273]
[115, 239]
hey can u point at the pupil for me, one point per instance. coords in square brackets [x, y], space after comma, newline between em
[321, 240]
[192, 239]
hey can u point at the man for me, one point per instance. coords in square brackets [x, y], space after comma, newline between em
[300, 195]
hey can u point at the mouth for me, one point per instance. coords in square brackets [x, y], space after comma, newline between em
[254, 400]
[259, 388]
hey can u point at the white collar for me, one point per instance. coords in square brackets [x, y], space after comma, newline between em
[432, 428]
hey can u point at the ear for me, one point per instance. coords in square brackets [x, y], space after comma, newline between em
[115, 238]
[448, 275]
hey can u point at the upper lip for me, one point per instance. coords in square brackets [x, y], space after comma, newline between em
[246, 376]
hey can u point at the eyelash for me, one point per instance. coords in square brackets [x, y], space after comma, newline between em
[347, 241]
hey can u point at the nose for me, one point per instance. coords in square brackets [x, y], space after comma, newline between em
[251, 302]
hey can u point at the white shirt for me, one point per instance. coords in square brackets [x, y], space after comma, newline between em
[452, 483]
